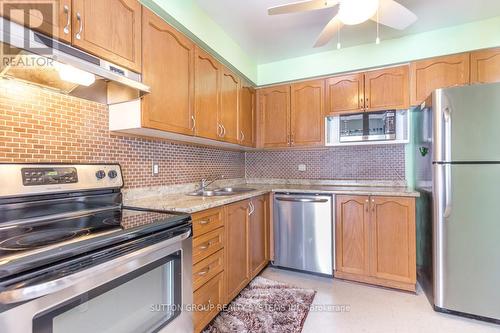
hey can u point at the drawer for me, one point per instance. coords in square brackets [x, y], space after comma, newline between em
[208, 300]
[208, 268]
[206, 221]
[207, 244]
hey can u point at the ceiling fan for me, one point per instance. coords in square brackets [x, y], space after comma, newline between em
[351, 12]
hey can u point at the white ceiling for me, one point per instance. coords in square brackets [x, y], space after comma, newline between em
[271, 38]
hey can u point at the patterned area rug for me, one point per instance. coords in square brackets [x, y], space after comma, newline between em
[265, 306]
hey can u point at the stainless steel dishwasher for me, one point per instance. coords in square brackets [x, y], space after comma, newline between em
[303, 232]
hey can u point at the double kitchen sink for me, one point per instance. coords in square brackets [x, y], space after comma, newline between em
[219, 192]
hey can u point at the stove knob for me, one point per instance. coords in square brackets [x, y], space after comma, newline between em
[100, 174]
[112, 174]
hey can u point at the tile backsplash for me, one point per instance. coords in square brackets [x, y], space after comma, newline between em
[376, 162]
[37, 125]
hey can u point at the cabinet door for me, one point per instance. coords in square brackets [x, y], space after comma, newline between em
[258, 235]
[387, 89]
[392, 230]
[247, 115]
[109, 29]
[307, 113]
[208, 299]
[237, 258]
[50, 17]
[352, 236]
[345, 94]
[169, 70]
[274, 108]
[207, 87]
[485, 66]
[431, 74]
[228, 112]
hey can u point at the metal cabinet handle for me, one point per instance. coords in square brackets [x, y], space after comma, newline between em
[252, 208]
[242, 136]
[193, 119]
[367, 205]
[373, 205]
[204, 272]
[205, 246]
[223, 130]
[219, 130]
[80, 30]
[203, 222]
[68, 21]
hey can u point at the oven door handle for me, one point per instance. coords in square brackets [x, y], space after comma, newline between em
[125, 264]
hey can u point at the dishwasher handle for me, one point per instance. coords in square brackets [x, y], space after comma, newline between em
[301, 199]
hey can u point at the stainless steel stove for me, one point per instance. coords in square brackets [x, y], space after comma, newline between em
[72, 257]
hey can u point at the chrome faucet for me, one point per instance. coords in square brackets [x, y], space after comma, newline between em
[204, 182]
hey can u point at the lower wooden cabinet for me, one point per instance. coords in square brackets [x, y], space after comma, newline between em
[376, 241]
[208, 299]
[258, 234]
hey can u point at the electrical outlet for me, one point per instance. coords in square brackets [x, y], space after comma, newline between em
[302, 167]
[156, 168]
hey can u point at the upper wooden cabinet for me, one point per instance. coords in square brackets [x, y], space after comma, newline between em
[387, 89]
[485, 66]
[428, 75]
[246, 115]
[109, 29]
[207, 88]
[307, 113]
[345, 94]
[169, 70]
[228, 111]
[274, 109]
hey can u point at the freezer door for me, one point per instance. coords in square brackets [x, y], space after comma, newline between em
[466, 123]
[467, 238]
[303, 232]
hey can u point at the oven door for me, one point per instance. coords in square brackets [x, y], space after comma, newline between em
[147, 289]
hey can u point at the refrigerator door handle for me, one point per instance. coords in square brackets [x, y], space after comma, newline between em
[447, 132]
[447, 191]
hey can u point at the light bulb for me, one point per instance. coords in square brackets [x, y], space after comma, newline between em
[74, 75]
[338, 46]
[377, 40]
[357, 11]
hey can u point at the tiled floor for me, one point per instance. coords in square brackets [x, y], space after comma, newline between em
[373, 309]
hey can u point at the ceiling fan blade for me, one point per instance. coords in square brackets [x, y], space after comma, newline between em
[394, 15]
[301, 6]
[329, 31]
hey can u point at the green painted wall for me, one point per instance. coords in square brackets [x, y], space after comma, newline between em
[466, 37]
[189, 18]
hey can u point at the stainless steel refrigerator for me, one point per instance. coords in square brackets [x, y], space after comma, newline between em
[457, 168]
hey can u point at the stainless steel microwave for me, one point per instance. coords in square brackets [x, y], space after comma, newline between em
[381, 127]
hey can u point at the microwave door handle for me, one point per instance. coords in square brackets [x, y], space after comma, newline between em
[122, 265]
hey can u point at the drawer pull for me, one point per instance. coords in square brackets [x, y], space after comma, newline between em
[205, 246]
[204, 272]
[204, 222]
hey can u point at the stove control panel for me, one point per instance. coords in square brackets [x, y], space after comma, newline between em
[49, 176]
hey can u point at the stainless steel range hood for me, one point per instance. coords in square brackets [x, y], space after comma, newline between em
[32, 57]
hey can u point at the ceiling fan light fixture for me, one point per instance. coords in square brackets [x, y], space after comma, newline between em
[353, 12]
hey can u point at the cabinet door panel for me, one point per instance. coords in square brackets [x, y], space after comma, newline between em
[431, 74]
[392, 229]
[307, 113]
[110, 29]
[387, 89]
[169, 70]
[207, 87]
[352, 237]
[247, 115]
[485, 66]
[274, 108]
[237, 258]
[228, 112]
[345, 94]
[258, 235]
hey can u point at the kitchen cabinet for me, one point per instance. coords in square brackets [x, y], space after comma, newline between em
[258, 234]
[274, 109]
[345, 94]
[228, 111]
[375, 240]
[237, 247]
[109, 29]
[307, 113]
[168, 69]
[207, 299]
[246, 114]
[485, 66]
[207, 88]
[387, 88]
[441, 72]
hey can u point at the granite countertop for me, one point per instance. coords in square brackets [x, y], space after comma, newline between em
[181, 202]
